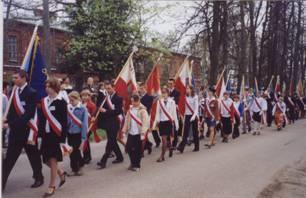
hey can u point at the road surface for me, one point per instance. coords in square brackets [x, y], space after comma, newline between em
[240, 169]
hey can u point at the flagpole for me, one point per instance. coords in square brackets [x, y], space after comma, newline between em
[272, 77]
[30, 44]
[1, 70]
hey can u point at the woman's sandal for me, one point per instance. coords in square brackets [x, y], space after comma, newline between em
[63, 179]
[51, 191]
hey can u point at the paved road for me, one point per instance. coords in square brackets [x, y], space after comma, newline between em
[240, 169]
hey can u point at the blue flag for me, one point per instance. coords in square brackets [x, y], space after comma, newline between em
[35, 67]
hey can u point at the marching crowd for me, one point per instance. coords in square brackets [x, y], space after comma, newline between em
[66, 119]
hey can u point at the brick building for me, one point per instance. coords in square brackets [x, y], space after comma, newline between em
[19, 33]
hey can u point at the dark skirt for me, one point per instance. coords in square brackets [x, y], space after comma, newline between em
[256, 117]
[165, 128]
[226, 125]
[50, 147]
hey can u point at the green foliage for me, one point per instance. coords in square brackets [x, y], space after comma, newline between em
[103, 34]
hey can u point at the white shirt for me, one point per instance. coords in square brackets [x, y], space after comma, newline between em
[281, 106]
[224, 112]
[193, 103]
[49, 101]
[63, 94]
[134, 130]
[254, 107]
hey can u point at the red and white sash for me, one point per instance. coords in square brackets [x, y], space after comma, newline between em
[209, 110]
[283, 111]
[135, 118]
[291, 102]
[32, 122]
[55, 125]
[257, 103]
[226, 107]
[163, 108]
[236, 110]
[189, 107]
[74, 119]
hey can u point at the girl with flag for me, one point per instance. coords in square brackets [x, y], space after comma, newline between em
[238, 107]
[166, 117]
[53, 127]
[77, 131]
[136, 124]
[191, 119]
[227, 115]
[279, 113]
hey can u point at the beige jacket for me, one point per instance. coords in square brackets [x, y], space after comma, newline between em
[142, 115]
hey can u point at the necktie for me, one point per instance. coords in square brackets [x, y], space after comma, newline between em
[165, 102]
[19, 91]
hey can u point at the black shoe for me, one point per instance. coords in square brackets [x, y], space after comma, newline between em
[195, 150]
[101, 165]
[111, 155]
[63, 179]
[50, 192]
[37, 183]
[180, 149]
[150, 150]
[244, 132]
[117, 161]
[170, 153]
[87, 161]
[208, 146]
[157, 145]
[160, 160]
[201, 137]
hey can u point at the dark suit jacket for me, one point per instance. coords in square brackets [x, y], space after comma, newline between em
[147, 101]
[109, 118]
[176, 95]
[60, 114]
[18, 124]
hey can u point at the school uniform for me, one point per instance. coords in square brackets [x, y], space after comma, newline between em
[77, 131]
[270, 104]
[279, 113]
[136, 123]
[257, 108]
[290, 109]
[191, 120]
[238, 107]
[211, 115]
[175, 95]
[19, 133]
[110, 122]
[53, 127]
[227, 116]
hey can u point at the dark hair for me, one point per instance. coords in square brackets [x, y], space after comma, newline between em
[54, 84]
[107, 82]
[171, 79]
[142, 84]
[135, 98]
[22, 73]
[192, 90]
[165, 89]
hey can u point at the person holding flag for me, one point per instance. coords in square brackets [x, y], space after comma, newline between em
[166, 120]
[191, 119]
[53, 127]
[77, 131]
[20, 120]
[257, 110]
[227, 113]
[110, 108]
[136, 124]
[279, 113]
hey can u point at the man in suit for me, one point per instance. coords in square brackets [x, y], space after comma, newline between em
[109, 121]
[19, 131]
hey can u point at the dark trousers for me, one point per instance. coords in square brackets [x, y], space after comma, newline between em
[76, 160]
[195, 132]
[13, 153]
[112, 144]
[269, 117]
[87, 153]
[133, 148]
[156, 137]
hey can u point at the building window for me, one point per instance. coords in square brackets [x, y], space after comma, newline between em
[58, 55]
[12, 48]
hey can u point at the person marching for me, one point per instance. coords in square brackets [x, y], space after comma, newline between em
[257, 109]
[290, 109]
[203, 101]
[246, 122]
[77, 131]
[53, 127]
[110, 109]
[279, 113]
[20, 121]
[211, 115]
[136, 124]
[91, 108]
[191, 119]
[166, 117]
[238, 105]
[227, 116]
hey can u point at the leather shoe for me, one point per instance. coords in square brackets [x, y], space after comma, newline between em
[117, 161]
[37, 183]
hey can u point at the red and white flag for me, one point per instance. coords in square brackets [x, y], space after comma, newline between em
[126, 83]
[220, 85]
[277, 89]
[300, 89]
[183, 78]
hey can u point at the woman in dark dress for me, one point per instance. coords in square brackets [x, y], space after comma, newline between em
[53, 127]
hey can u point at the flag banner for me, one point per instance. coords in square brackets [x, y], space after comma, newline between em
[182, 80]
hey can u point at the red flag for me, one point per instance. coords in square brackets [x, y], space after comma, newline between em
[278, 85]
[182, 79]
[126, 83]
[220, 85]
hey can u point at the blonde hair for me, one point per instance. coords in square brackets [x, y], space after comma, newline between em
[75, 95]
[85, 92]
